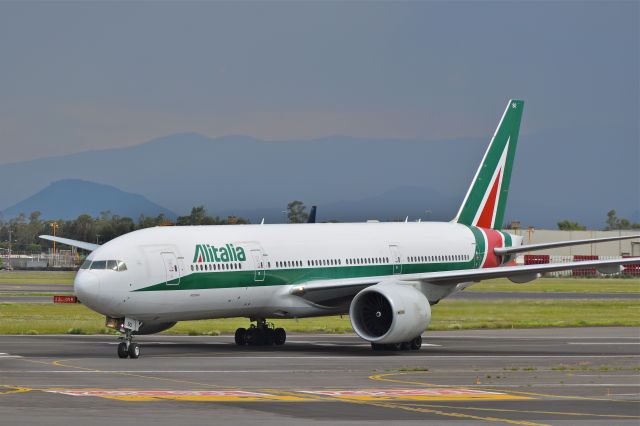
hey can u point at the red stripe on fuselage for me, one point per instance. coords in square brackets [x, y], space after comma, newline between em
[486, 217]
[494, 239]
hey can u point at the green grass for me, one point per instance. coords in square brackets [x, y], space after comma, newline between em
[37, 277]
[571, 285]
[22, 318]
[544, 285]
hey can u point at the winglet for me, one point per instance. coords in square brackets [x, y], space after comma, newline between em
[486, 199]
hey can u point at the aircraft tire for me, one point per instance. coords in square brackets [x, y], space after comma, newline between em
[269, 337]
[416, 343]
[279, 336]
[122, 350]
[241, 336]
[134, 350]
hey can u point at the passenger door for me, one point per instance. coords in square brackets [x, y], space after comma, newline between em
[258, 265]
[396, 261]
[171, 268]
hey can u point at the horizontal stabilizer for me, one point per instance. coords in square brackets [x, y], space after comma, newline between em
[74, 243]
[502, 251]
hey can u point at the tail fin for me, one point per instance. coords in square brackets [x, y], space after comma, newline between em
[486, 199]
[312, 215]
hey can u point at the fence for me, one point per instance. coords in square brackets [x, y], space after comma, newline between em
[531, 259]
[62, 259]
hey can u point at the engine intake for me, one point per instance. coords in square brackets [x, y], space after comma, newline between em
[390, 312]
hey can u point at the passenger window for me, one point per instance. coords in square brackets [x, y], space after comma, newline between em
[99, 264]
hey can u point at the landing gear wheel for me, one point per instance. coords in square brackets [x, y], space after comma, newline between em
[405, 346]
[416, 343]
[241, 337]
[122, 350]
[134, 350]
[252, 336]
[269, 336]
[377, 347]
[279, 336]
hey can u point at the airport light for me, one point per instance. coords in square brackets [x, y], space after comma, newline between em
[54, 227]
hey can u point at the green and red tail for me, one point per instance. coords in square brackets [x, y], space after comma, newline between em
[486, 199]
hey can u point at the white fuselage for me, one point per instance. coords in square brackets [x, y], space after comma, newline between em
[197, 272]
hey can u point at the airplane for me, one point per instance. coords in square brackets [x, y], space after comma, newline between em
[385, 275]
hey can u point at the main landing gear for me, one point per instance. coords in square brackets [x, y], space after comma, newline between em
[413, 344]
[260, 334]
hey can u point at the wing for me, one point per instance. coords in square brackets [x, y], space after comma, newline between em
[350, 286]
[501, 251]
[69, 242]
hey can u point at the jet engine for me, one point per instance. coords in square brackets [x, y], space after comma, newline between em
[390, 312]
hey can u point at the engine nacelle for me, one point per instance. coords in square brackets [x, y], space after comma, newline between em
[390, 313]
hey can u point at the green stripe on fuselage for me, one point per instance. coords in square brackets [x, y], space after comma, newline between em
[203, 280]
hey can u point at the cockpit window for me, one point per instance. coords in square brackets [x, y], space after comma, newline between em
[110, 265]
[99, 264]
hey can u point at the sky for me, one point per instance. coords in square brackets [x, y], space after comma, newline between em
[77, 76]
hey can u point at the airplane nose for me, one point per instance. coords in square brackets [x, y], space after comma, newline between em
[87, 288]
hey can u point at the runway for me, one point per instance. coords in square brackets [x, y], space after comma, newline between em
[524, 377]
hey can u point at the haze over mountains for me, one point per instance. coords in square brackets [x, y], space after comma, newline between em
[348, 178]
[69, 198]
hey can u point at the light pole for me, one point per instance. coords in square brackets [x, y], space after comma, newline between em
[284, 216]
[54, 227]
[10, 267]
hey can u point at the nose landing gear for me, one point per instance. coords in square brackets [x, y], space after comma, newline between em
[126, 326]
[127, 348]
[260, 334]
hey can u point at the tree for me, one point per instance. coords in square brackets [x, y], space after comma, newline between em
[296, 212]
[198, 216]
[568, 225]
[614, 222]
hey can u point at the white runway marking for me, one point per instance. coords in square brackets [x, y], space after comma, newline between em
[603, 343]
[6, 355]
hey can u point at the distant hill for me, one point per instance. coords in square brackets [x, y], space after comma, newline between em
[561, 174]
[69, 198]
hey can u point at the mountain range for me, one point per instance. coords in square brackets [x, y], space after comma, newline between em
[69, 198]
[558, 175]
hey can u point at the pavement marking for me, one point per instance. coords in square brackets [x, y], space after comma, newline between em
[424, 394]
[6, 355]
[603, 343]
[385, 378]
[178, 395]
[13, 389]
[397, 406]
